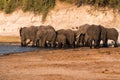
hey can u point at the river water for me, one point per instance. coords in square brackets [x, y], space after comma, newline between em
[6, 48]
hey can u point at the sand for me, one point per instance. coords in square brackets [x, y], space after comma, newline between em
[62, 64]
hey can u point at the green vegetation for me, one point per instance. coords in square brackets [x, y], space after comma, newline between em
[115, 4]
[36, 6]
[68, 1]
[44, 6]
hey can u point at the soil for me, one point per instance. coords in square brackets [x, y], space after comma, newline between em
[10, 39]
[62, 64]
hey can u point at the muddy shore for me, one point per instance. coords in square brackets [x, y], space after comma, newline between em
[68, 64]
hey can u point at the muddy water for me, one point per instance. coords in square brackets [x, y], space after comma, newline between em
[6, 48]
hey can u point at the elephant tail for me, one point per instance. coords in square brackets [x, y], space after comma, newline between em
[20, 31]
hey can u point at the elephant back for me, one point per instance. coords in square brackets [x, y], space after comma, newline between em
[93, 33]
[112, 34]
[61, 38]
[103, 35]
[82, 30]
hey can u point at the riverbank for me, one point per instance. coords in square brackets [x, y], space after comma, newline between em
[68, 64]
[10, 39]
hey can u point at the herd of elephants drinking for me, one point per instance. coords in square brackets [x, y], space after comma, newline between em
[86, 35]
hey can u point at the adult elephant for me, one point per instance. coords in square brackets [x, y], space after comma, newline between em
[103, 35]
[112, 34]
[45, 34]
[28, 33]
[60, 41]
[80, 34]
[70, 36]
[93, 34]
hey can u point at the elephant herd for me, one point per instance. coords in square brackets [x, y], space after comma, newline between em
[86, 35]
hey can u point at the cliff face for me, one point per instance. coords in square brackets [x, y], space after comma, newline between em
[63, 16]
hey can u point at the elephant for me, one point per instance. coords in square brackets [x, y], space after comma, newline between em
[76, 43]
[80, 34]
[45, 34]
[112, 34]
[93, 34]
[70, 36]
[103, 36]
[61, 41]
[28, 33]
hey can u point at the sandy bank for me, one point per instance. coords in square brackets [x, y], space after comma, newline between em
[70, 64]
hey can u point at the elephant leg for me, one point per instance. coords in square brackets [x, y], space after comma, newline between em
[56, 44]
[43, 41]
[40, 43]
[59, 45]
[90, 43]
[77, 43]
[24, 43]
[105, 43]
[37, 43]
[47, 44]
[96, 43]
[115, 44]
[86, 44]
[73, 44]
[21, 43]
[87, 41]
[63, 45]
[33, 43]
[52, 44]
[80, 41]
[83, 40]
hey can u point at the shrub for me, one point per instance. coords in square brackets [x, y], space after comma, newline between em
[115, 4]
[37, 6]
[44, 6]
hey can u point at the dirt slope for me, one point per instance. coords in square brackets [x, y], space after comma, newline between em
[62, 16]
